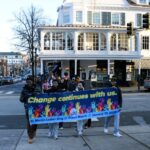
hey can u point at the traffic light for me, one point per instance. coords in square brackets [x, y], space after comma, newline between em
[146, 21]
[130, 28]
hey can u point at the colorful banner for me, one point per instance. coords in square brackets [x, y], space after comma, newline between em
[70, 106]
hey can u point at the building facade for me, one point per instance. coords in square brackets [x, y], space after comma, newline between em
[12, 63]
[90, 40]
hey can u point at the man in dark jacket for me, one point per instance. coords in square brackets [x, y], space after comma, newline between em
[30, 89]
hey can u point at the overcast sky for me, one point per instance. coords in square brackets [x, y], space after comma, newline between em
[8, 7]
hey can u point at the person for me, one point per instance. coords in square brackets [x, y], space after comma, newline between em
[64, 83]
[88, 86]
[53, 127]
[29, 90]
[116, 116]
[50, 78]
[79, 122]
[45, 86]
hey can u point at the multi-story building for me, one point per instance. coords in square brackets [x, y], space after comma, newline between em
[90, 40]
[13, 62]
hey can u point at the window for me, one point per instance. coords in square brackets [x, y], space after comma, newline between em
[102, 42]
[139, 20]
[96, 18]
[123, 44]
[79, 16]
[70, 41]
[66, 18]
[58, 41]
[118, 18]
[89, 17]
[92, 41]
[145, 42]
[142, 1]
[106, 18]
[81, 41]
[47, 41]
[115, 19]
[113, 42]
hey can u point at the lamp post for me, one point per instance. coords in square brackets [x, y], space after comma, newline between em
[35, 60]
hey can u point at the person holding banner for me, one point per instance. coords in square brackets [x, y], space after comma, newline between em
[117, 116]
[79, 122]
[30, 89]
[53, 127]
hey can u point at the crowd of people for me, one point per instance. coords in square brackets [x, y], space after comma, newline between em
[54, 83]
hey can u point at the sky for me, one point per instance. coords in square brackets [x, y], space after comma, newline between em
[9, 7]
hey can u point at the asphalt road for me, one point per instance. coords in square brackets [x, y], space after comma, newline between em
[135, 111]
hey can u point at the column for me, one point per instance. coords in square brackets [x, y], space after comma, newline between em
[108, 67]
[75, 66]
[41, 66]
[75, 42]
[139, 74]
[132, 43]
[138, 47]
[108, 35]
[139, 67]
[66, 42]
[116, 42]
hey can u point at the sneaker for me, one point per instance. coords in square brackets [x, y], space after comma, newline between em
[85, 127]
[117, 134]
[61, 128]
[105, 130]
[49, 134]
[80, 133]
[56, 137]
[30, 141]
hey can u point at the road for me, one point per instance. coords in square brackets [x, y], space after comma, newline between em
[136, 109]
[135, 127]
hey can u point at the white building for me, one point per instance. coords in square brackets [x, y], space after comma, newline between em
[91, 39]
[14, 61]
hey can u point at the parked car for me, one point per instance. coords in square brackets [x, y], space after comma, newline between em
[17, 79]
[7, 80]
[1, 80]
[147, 83]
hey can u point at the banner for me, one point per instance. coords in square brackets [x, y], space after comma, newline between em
[70, 106]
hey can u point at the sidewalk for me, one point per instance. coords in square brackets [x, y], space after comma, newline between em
[134, 137]
[133, 89]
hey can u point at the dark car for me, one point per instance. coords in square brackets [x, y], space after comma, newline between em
[1, 81]
[7, 80]
[147, 83]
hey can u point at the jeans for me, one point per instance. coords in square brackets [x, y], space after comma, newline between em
[53, 129]
[80, 125]
[116, 122]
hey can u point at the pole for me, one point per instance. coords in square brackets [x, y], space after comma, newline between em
[32, 61]
[35, 60]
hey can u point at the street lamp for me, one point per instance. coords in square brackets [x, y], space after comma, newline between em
[35, 59]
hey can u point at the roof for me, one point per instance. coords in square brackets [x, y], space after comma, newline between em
[133, 3]
[10, 53]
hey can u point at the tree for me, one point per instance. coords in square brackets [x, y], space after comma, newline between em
[25, 30]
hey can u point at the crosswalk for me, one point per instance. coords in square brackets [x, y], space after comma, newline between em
[7, 92]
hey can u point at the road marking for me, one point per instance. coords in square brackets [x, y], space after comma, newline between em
[93, 119]
[140, 120]
[10, 92]
[3, 126]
